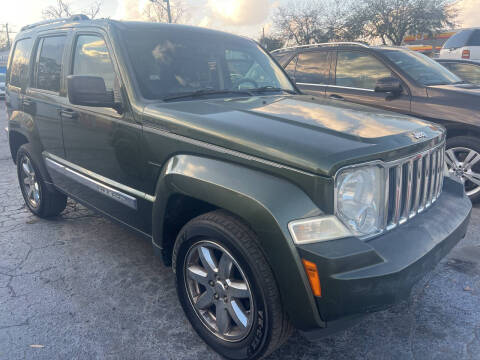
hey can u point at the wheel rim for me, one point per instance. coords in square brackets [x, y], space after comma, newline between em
[464, 163]
[29, 183]
[219, 291]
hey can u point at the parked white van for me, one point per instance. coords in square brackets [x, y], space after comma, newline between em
[465, 44]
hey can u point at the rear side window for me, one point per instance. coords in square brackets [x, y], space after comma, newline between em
[458, 40]
[313, 68]
[474, 39]
[49, 63]
[92, 58]
[19, 67]
[467, 72]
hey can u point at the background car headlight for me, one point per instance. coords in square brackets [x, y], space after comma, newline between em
[359, 198]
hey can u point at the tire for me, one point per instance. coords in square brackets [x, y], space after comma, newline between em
[265, 325]
[461, 149]
[41, 201]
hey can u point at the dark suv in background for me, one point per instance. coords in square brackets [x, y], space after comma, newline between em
[275, 210]
[399, 80]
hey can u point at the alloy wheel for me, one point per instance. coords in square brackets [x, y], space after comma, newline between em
[219, 291]
[464, 163]
[29, 183]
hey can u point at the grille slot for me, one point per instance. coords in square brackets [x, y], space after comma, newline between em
[412, 185]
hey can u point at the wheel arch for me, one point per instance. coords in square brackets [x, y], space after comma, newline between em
[460, 129]
[201, 184]
[15, 140]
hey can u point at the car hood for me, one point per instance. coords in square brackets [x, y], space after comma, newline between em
[315, 135]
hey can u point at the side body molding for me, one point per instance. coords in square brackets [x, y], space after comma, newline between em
[264, 201]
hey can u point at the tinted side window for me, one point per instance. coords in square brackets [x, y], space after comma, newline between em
[359, 70]
[290, 69]
[19, 67]
[49, 65]
[313, 68]
[92, 58]
[474, 39]
[458, 40]
[467, 72]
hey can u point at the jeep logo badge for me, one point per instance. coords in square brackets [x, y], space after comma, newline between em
[419, 135]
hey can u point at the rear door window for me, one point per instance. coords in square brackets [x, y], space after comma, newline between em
[313, 68]
[19, 67]
[467, 72]
[49, 63]
[458, 40]
[474, 39]
[359, 70]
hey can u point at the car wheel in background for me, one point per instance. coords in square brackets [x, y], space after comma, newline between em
[463, 160]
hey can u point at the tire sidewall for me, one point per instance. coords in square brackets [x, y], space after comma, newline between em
[255, 344]
[23, 152]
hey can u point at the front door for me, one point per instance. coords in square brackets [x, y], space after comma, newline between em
[103, 145]
[356, 74]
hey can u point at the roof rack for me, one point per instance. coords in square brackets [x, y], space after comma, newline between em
[77, 17]
[341, 43]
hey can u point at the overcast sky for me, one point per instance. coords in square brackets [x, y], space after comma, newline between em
[244, 17]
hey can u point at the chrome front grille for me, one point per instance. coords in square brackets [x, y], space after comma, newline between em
[412, 185]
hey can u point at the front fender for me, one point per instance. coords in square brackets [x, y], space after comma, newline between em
[267, 203]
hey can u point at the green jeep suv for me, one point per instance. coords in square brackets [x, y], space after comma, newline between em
[276, 210]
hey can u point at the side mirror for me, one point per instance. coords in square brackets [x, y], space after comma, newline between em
[389, 85]
[89, 91]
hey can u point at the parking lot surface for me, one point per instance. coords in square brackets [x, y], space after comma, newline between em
[82, 287]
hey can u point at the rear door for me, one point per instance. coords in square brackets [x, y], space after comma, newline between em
[46, 92]
[312, 72]
[356, 73]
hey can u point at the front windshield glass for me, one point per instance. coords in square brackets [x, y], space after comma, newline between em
[2, 77]
[421, 68]
[171, 62]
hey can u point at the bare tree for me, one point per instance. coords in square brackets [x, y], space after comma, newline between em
[391, 20]
[64, 9]
[156, 11]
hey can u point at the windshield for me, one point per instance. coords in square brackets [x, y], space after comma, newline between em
[2, 77]
[421, 68]
[170, 63]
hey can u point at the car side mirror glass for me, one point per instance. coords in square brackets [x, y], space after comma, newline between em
[89, 91]
[389, 85]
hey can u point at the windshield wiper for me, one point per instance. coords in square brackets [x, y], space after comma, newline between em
[206, 91]
[273, 89]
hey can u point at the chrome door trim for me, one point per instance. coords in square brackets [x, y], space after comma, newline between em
[310, 84]
[350, 88]
[79, 174]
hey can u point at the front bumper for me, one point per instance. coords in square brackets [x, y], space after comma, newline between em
[360, 277]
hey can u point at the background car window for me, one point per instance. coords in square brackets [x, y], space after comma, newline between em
[312, 68]
[474, 40]
[359, 70]
[2, 77]
[49, 65]
[19, 68]
[420, 67]
[458, 40]
[467, 72]
[290, 69]
[92, 58]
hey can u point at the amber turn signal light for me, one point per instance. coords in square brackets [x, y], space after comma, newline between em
[313, 278]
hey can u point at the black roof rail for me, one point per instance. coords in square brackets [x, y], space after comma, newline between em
[77, 17]
[341, 43]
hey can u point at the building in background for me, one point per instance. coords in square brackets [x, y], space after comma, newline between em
[3, 60]
[428, 44]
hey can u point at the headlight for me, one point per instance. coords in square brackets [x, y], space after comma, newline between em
[359, 198]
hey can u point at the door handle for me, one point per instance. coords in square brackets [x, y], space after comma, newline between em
[69, 113]
[336, 97]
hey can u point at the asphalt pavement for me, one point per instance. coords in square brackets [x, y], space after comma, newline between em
[83, 287]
